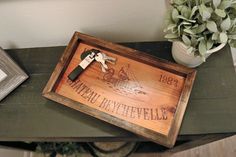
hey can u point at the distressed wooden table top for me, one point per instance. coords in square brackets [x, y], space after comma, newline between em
[26, 115]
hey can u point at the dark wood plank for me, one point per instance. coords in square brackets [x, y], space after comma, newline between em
[26, 115]
[212, 102]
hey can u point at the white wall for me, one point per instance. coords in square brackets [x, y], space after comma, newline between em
[39, 23]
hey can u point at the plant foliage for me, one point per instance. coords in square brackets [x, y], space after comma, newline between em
[54, 148]
[202, 24]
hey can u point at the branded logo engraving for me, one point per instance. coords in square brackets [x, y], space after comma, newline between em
[123, 81]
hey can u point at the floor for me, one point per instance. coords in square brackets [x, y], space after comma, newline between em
[221, 148]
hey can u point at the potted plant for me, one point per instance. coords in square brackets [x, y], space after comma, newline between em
[199, 28]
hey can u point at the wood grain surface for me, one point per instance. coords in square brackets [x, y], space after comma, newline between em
[130, 90]
[11, 75]
[140, 93]
[27, 116]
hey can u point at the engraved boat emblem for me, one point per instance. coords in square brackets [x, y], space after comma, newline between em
[124, 81]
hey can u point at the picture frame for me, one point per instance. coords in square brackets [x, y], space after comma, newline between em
[154, 92]
[11, 75]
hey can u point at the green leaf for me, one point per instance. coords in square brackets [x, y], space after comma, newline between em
[186, 12]
[190, 49]
[174, 30]
[171, 36]
[195, 26]
[233, 22]
[195, 8]
[232, 36]
[216, 3]
[215, 36]
[211, 26]
[203, 58]
[200, 28]
[233, 6]
[174, 15]
[179, 7]
[206, 1]
[225, 25]
[194, 41]
[210, 10]
[187, 27]
[233, 43]
[179, 2]
[200, 39]
[209, 44]
[202, 48]
[223, 37]
[170, 27]
[181, 24]
[186, 40]
[225, 4]
[183, 18]
[189, 31]
[204, 12]
[220, 13]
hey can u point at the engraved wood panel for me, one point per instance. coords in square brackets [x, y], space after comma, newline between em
[130, 90]
[140, 93]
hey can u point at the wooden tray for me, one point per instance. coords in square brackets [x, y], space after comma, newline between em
[140, 93]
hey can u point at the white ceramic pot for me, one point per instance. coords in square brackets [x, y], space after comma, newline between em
[181, 56]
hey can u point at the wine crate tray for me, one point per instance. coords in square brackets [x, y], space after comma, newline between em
[140, 93]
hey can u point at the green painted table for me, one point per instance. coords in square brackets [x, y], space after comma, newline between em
[26, 115]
